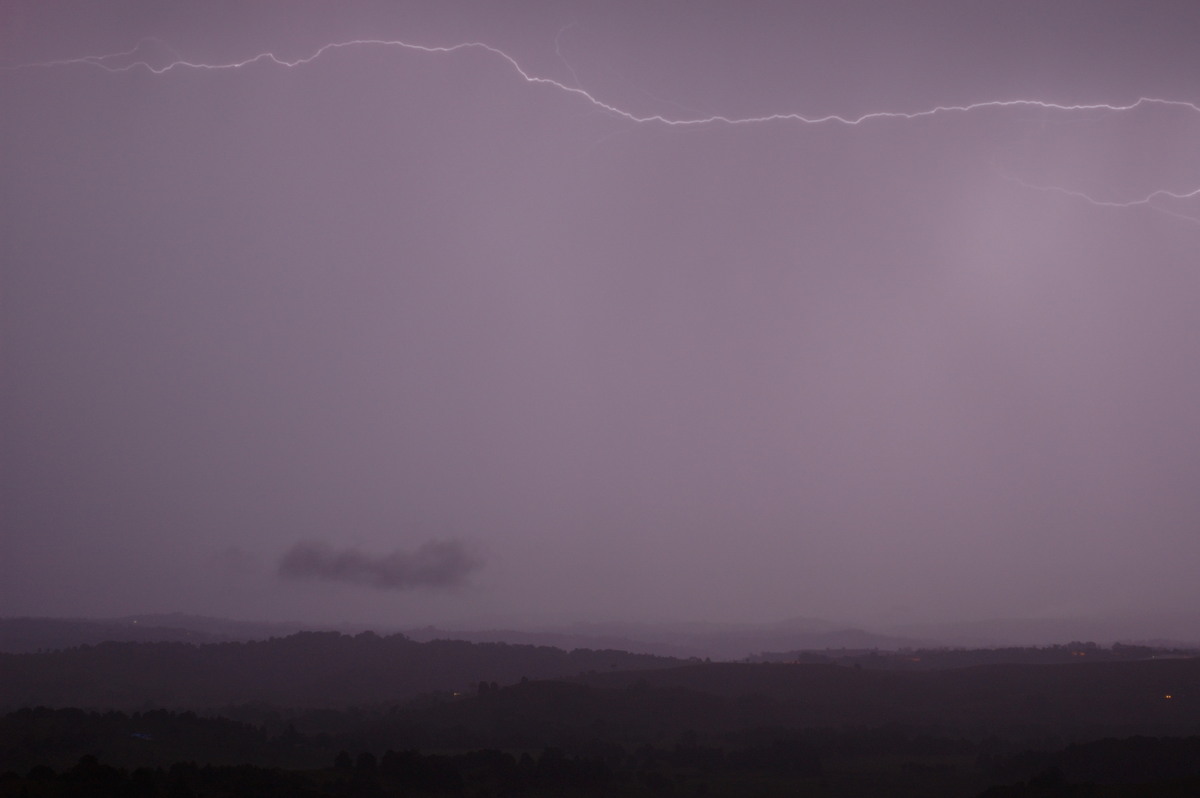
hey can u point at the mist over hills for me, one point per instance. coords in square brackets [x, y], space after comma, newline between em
[717, 641]
[684, 640]
[704, 640]
[27, 635]
[1178, 628]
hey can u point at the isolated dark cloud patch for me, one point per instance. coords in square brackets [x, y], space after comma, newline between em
[433, 564]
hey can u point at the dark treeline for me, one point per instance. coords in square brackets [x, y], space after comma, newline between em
[30, 635]
[1071, 702]
[935, 658]
[308, 669]
[1124, 691]
[529, 717]
[330, 714]
[892, 760]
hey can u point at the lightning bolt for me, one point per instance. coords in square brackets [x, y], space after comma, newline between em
[114, 63]
[1146, 201]
[100, 60]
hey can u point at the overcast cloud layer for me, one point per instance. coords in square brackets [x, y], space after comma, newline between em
[903, 370]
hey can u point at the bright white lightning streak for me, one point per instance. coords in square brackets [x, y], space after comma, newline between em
[98, 60]
[102, 61]
[1146, 201]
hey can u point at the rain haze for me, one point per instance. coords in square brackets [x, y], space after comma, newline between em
[543, 312]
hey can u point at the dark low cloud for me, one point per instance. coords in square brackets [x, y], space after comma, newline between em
[433, 564]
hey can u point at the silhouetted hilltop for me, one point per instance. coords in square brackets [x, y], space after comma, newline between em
[1166, 629]
[792, 639]
[1146, 696]
[705, 640]
[681, 640]
[28, 635]
[307, 669]
[1030, 702]
[331, 670]
[329, 710]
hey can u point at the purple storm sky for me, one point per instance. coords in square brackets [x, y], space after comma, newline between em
[408, 336]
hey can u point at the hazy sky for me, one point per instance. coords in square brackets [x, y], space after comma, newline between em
[407, 336]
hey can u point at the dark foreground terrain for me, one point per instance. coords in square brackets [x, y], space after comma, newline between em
[329, 714]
